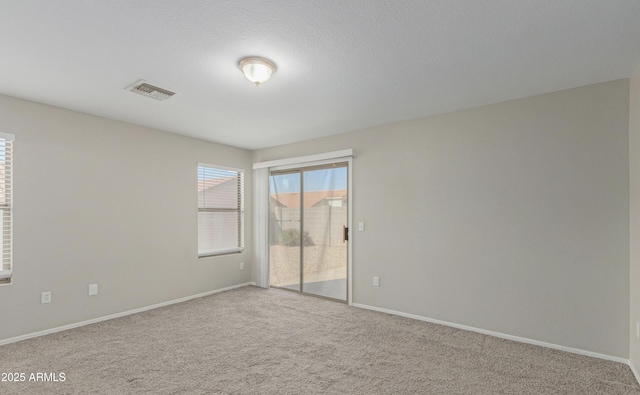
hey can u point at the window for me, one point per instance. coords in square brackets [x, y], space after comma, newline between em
[220, 210]
[6, 192]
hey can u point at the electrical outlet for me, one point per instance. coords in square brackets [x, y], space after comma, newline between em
[241, 265]
[376, 281]
[93, 289]
[637, 329]
[361, 226]
[45, 297]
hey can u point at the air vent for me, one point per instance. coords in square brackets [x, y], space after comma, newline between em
[143, 88]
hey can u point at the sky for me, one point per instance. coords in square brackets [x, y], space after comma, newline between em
[314, 180]
[206, 172]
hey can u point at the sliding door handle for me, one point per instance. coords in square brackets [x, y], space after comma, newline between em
[345, 233]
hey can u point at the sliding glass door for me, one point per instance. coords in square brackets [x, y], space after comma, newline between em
[308, 230]
[285, 223]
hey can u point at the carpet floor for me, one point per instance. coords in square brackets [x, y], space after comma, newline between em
[256, 341]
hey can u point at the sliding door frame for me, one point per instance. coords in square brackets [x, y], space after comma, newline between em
[291, 169]
[311, 161]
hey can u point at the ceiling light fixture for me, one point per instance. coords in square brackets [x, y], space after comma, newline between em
[257, 70]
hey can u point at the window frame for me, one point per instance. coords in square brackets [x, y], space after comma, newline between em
[6, 211]
[240, 209]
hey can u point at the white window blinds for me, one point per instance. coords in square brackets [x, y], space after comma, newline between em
[220, 210]
[6, 193]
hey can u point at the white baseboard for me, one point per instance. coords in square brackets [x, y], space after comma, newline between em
[117, 315]
[500, 335]
[635, 372]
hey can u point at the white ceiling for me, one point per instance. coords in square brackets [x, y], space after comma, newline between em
[343, 65]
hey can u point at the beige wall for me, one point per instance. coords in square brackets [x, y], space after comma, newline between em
[512, 217]
[634, 176]
[101, 201]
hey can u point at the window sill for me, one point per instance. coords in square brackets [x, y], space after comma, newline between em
[220, 253]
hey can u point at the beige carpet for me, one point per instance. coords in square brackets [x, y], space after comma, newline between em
[255, 341]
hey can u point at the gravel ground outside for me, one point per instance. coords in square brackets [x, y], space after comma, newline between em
[320, 263]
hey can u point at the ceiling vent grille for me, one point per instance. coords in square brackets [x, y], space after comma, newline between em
[145, 89]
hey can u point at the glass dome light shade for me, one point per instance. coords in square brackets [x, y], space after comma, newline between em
[257, 70]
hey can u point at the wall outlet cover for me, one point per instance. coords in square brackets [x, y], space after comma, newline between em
[45, 297]
[93, 289]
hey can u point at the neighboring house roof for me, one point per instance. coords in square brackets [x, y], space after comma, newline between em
[310, 198]
[212, 182]
[218, 192]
